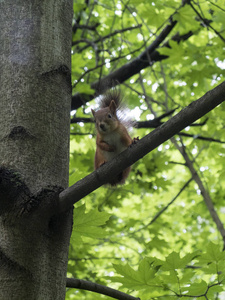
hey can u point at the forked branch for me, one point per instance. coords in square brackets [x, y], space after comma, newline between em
[206, 196]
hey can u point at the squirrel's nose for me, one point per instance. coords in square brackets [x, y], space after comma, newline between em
[102, 126]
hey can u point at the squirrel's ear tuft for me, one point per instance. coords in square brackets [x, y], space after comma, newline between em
[112, 106]
[93, 112]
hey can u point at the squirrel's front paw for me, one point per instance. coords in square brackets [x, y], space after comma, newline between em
[134, 141]
[102, 164]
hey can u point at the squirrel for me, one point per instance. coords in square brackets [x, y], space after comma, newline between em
[112, 135]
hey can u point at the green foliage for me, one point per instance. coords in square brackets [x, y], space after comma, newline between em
[160, 241]
[88, 224]
[176, 276]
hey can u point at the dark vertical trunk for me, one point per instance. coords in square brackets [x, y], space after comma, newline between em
[35, 95]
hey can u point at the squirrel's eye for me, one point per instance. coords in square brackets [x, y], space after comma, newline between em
[109, 116]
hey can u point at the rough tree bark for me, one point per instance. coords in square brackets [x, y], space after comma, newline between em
[35, 95]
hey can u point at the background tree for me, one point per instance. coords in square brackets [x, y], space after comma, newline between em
[165, 55]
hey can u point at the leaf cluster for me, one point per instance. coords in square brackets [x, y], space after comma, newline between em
[176, 276]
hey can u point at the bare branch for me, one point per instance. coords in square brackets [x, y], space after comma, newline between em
[105, 173]
[98, 288]
[141, 124]
[156, 122]
[203, 138]
[219, 7]
[81, 120]
[81, 133]
[204, 192]
[78, 26]
[170, 203]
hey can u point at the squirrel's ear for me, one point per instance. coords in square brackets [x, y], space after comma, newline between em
[93, 112]
[112, 106]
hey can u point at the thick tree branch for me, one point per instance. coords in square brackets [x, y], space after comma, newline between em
[98, 288]
[204, 193]
[146, 58]
[128, 70]
[101, 176]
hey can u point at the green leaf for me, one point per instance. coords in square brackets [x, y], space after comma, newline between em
[214, 290]
[141, 279]
[185, 16]
[84, 88]
[77, 7]
[174, 261]
[219, 18]
[174, 53]
[213, 253]
[87, 224]
[197, 289]
[146, 271]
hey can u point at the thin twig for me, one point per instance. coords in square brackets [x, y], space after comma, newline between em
[170, 203]
[204, 192]
[156, 122]
[106, 36]
[206, 22]
[158, 214]
[216, 5]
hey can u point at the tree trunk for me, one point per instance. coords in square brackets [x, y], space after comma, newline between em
[35, 95]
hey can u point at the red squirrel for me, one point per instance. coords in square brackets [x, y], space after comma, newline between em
[112, 134]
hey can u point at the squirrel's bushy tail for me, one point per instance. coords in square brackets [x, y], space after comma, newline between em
[113, 94]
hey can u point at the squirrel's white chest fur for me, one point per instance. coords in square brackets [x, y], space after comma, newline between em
[114, 139]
